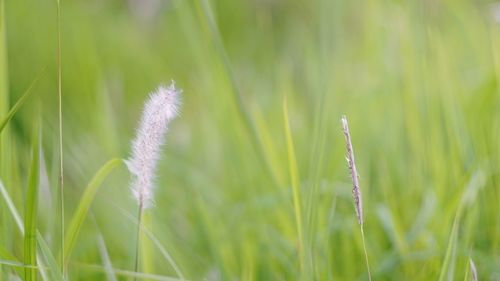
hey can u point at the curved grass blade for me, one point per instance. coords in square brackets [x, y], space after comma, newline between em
[106, 261]
[55, 274]
[84, 206]
[294, 177]
[30, 220]
[20, 102]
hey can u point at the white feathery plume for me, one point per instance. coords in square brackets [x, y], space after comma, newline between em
[161, 107]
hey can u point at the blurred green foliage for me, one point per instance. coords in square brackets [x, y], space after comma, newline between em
[418, 81]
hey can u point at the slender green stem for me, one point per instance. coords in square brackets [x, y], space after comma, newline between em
[61, 164]
[366, 253]
[138, 239]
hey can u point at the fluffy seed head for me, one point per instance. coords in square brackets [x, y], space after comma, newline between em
[356, 192]
[161, 107]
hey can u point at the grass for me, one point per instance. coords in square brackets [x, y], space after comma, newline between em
[251, 188]
[31, 209]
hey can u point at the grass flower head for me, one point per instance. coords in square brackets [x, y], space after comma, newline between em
[161, 107]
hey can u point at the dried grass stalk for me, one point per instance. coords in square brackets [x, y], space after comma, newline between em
[356, 193]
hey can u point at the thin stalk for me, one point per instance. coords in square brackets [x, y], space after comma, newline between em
[138, 240]
[61, 163]
[356, 191]
[366, 253]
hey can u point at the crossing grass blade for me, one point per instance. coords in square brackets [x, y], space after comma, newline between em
[157, 243]
[106, 260]
[8, 259]
[55, 274]
[15, 264]
[22, 100]
[84, 206]
[11, 207]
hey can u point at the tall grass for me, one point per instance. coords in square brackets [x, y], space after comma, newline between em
[253, 189]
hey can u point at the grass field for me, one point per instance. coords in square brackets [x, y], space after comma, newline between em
[253, 182]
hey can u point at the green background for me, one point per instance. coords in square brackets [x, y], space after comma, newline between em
[418, 81]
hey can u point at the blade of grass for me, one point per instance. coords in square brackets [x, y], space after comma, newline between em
[49, 258]
[4, 85]
[6, 258]
[294, 178]
[30, 220]
[15, 264]
[156, 242]
[452, 244]
[5, 146]
[11, 207]
[20, 101]
[61, 155]
[476, 182]
[107, 265]
[18, 220]
[5, 139]
[245, 115]
[127, 273]
[84, 206]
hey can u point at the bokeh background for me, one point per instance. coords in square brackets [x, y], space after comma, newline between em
[418, 81]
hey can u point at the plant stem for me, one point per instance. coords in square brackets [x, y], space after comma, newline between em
[138, 239]
[366, 253]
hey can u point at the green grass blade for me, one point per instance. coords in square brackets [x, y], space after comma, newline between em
[61, 155]
[452, 243]
[127, 273]
[5, 148]
[20, 102]
[11, 207]
[6, 255]
[20, 225]
[476, 182]
[106, 261]
[15, 264]
[31, 206]
[84, 206]
[157, 243]
[294, 177]
[3, 60]
[7, 259]
[55, 274]
[242, 109]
